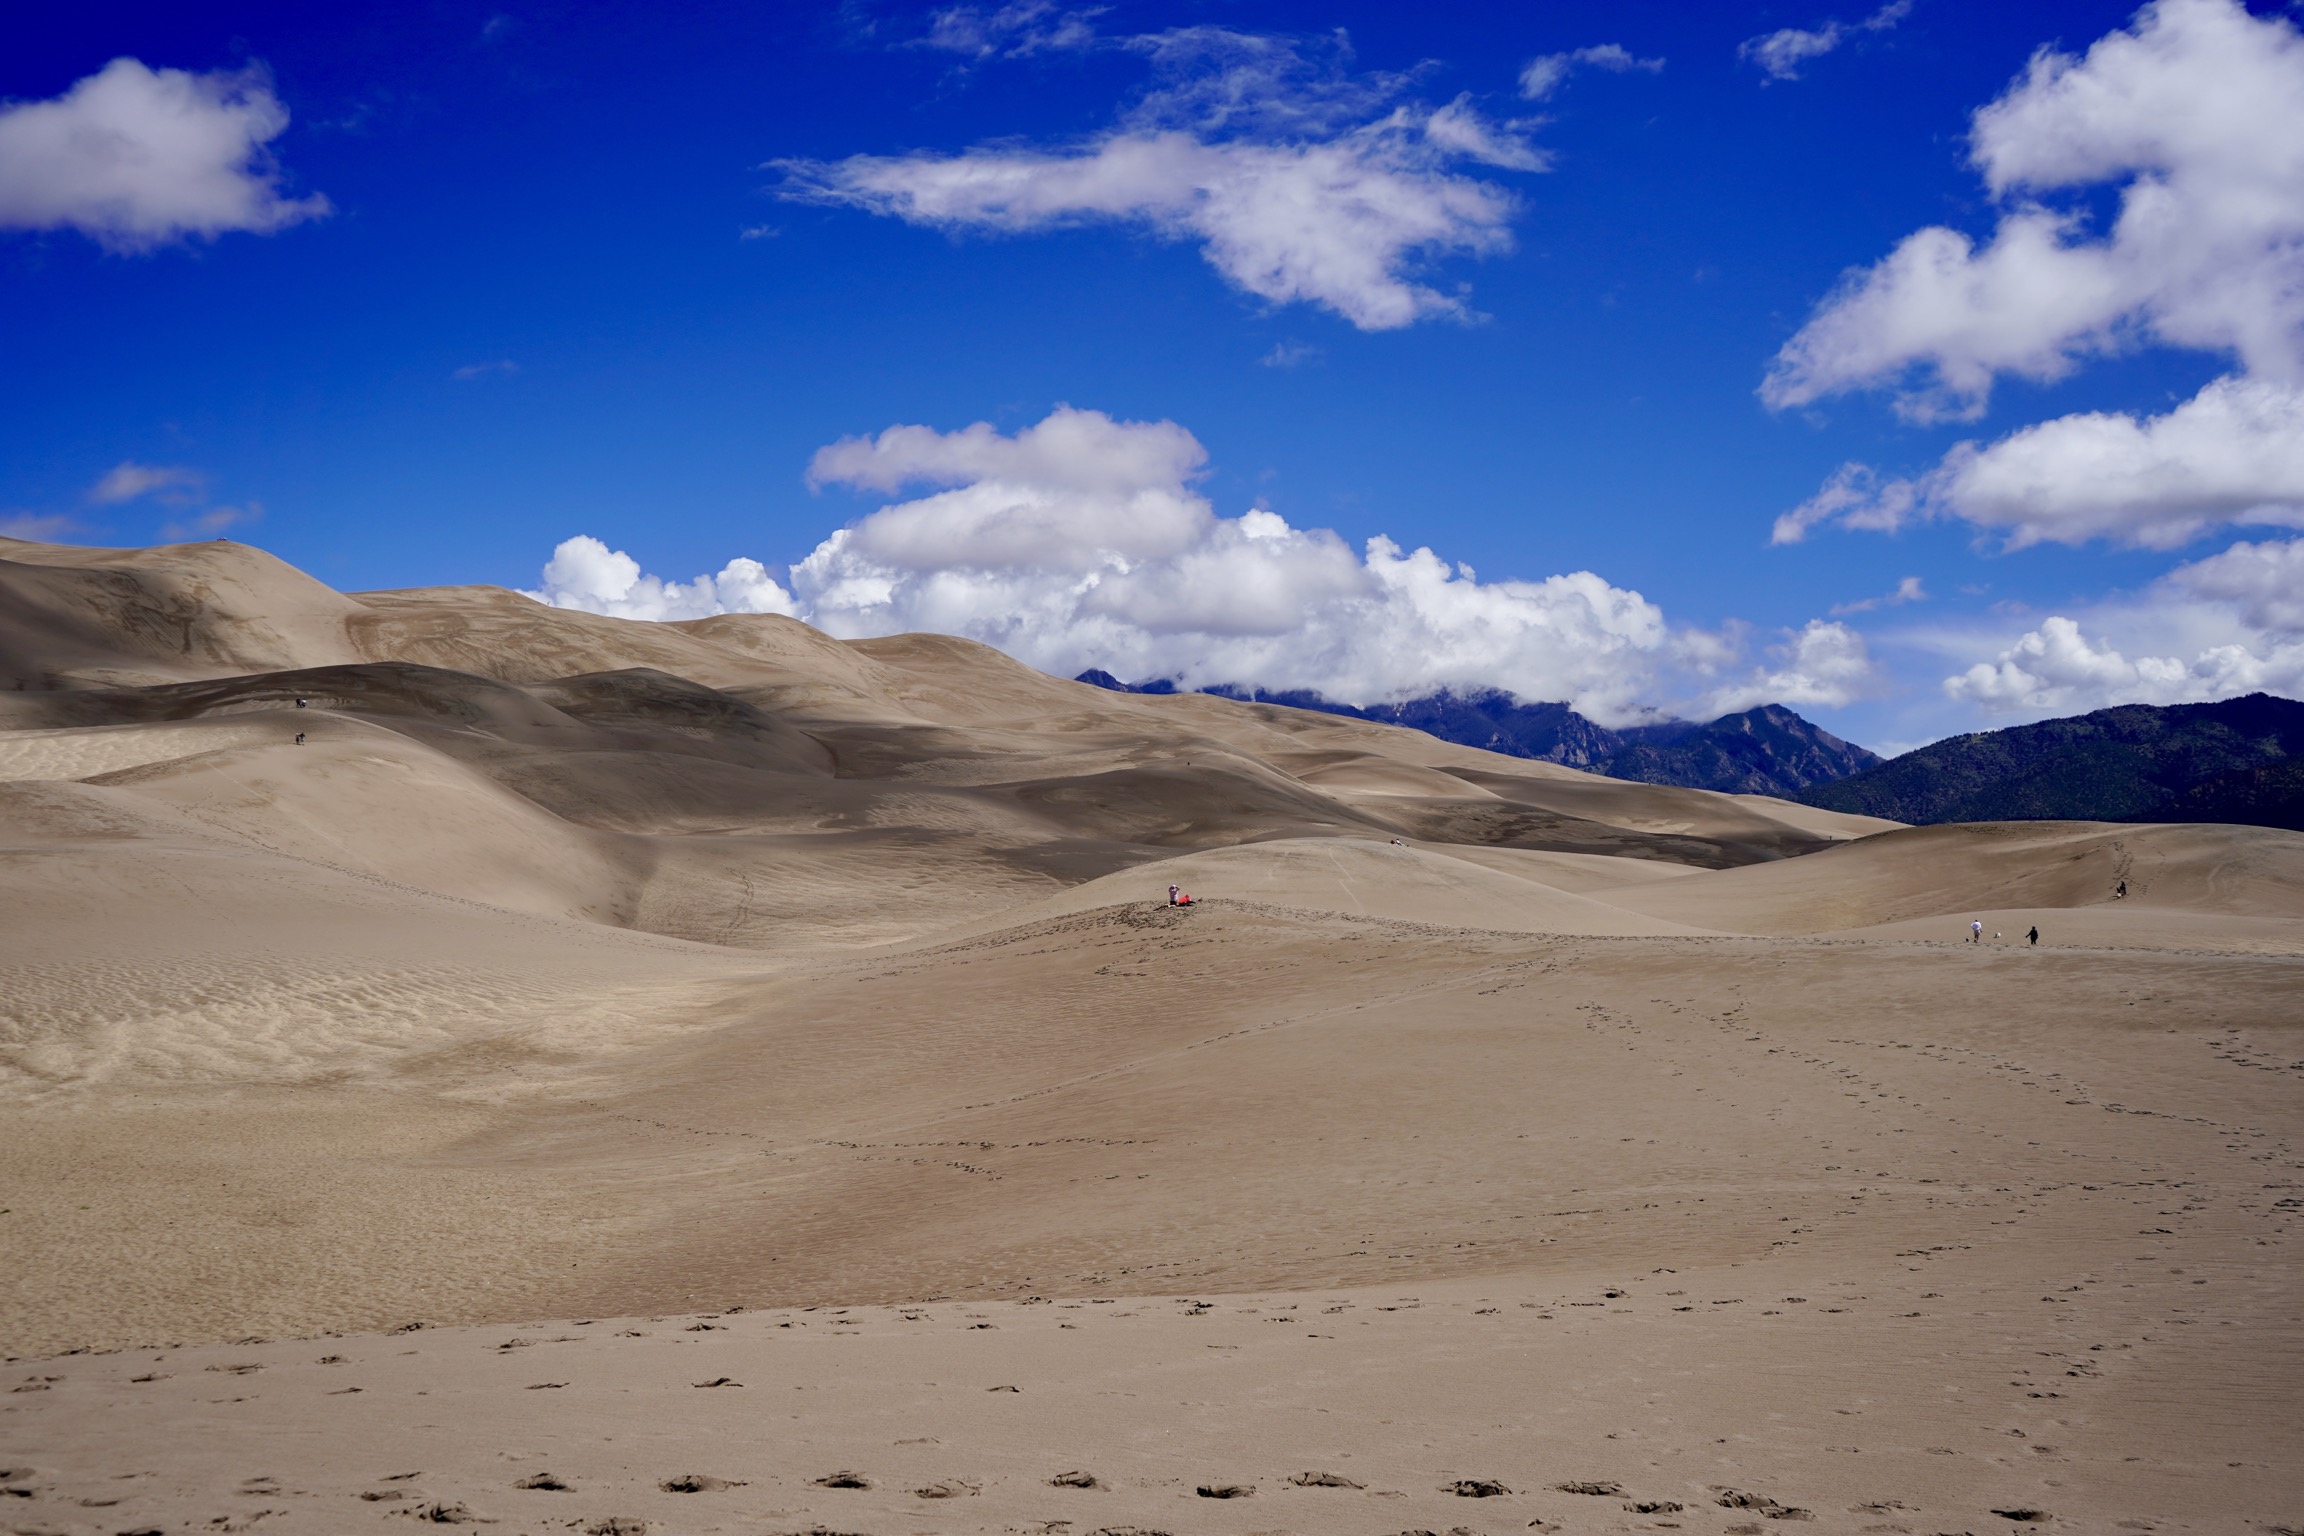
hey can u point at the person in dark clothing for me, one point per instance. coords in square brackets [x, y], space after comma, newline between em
[2034, 935]
[2120, 890]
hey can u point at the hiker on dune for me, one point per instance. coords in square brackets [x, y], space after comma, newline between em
[1179, 897]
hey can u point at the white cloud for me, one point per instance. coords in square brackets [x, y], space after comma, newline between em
[1299, 182]
[586, 574]
[1082, 542]
[136, 158]
[209, 522]
[1290, 354]
[2213, 629]
[2234, 453]
[502, 367]
[1823, 664]
[1548, 72]
[2196, 114]
[1909, 590]
[1781, 53]
[1015, 30]
[131, 481]
[38, 527]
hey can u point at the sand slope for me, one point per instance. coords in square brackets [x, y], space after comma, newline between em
[1366, 879]
[2003, 866]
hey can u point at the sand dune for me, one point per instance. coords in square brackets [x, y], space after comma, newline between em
[1365, 879]
[1493, 1147]
[1945, 871]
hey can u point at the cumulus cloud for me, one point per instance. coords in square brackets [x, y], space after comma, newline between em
[2213, 629]
[136, 158]
[2196, 114]
[1780, 54]
[586, 574]
[1083, 542]
[1300, 182]
[2234, 453]
[1824, 663]
[1548, 72]
[131, 481]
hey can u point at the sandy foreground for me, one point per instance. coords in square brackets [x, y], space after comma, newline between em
[765, 1071]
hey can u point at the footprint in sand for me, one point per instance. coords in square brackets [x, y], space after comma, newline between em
[1484, 1488]
[542, 1482]
[1226, 1490]
[949, 1488]
[1074, 1480]
[445, 1514]
[1594, 1490]
[843, 1480]
[1324, 1480]
[696, 1482]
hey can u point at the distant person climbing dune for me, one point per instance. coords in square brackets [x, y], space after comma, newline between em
[1179, 897]
[1976, 931]
[2033, 938]
[2120, 890]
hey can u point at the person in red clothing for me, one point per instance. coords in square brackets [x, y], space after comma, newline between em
[1179, 897]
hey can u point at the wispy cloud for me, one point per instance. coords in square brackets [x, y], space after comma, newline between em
[209, 522]
[1909, 590]
[1300, 180]
[1289, 354]
[38, 527]
[1780, 54]
[502, 367]
[174, 484]
[1015, 30]
[1548, 72]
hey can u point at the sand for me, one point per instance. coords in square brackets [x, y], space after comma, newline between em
[637, 1007]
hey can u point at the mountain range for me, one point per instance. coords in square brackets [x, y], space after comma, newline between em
[2238, 760]
[1764, 751]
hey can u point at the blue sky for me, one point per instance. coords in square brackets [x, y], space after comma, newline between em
[412, 295]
